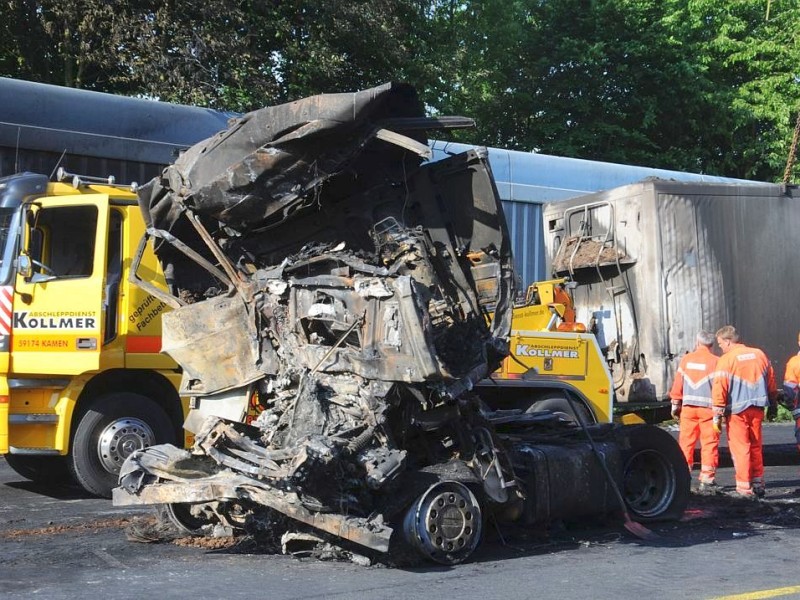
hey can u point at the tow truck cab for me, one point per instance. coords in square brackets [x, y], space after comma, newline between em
[82, 380]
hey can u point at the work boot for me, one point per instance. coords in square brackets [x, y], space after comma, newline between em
[708, 488]
[759, 490]
[746, 493]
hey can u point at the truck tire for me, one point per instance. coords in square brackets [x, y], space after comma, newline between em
[112, 428]
[41, 469]
[655, 480]
[559, 405]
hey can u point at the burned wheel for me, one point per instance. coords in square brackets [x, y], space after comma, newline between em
[113, 427]
[184, 519]
[655, 482]
[444, 523]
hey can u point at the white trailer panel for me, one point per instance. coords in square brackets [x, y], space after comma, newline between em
[659, 260]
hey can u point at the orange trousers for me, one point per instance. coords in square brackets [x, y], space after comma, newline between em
[697, 422]
[745, 440]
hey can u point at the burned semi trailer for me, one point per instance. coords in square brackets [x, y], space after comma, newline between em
[335, 299]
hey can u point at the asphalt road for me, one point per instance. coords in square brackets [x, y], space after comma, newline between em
[63, 544]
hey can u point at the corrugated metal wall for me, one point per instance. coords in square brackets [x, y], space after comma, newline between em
[525, 228]
[13, 160]
[54, 118]
[98, 134]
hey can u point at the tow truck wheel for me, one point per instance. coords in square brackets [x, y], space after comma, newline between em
[41, 469]
[559, 405]
[656, 480]
[114, 426]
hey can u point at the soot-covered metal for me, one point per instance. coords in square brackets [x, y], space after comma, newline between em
[335, 299]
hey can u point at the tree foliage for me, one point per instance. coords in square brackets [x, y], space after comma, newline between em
[697, 85]
[702, 86]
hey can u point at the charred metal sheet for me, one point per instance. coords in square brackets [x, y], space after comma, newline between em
[216, 343]
[371, 533]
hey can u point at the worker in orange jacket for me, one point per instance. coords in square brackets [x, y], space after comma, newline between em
[791, 390]
[691, 404]
[744, 385]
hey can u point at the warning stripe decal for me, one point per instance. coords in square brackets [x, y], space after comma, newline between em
[6, 308]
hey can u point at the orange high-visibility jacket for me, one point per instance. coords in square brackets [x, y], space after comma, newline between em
[692, 385]
[744, 378]
[791, 382]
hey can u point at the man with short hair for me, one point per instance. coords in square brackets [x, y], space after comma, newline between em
[691, 404]
[744, 385]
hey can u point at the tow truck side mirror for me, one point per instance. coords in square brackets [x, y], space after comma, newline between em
[25, 266]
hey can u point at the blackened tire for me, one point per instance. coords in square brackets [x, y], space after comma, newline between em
[112, 428]
[559, 405]
[655, 480]
[181, 518]
[51, 470]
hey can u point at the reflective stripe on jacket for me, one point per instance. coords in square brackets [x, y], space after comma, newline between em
[744, 378]
[791, 377]
[692, 385]
[791, 383]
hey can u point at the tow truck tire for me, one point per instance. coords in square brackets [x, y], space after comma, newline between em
[560, 405]
[41, 469]
[655, 480]
[114, 426]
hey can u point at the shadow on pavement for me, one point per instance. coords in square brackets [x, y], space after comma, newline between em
[56, 492]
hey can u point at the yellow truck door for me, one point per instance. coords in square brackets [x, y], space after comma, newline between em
[57, 324]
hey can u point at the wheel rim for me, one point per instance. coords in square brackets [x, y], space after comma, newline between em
[649, 484]
[120, 439]
[445, 523]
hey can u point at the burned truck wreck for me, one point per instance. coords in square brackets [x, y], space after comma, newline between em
[335, 299]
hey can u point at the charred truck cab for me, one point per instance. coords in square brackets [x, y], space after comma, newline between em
[329, 292]
[81, 382]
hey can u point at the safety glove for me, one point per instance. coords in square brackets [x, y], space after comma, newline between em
[676, 411]
[717, 423]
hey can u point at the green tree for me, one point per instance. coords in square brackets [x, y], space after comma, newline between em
[334, 45]
[753, 60]
[207, 54]
[51, 42]
[702, 86]
[224, 54]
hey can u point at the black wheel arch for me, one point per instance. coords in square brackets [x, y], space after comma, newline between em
[146, 382]
[523, 395]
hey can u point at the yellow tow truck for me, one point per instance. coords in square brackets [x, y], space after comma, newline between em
[554, 364]
[82, 380]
